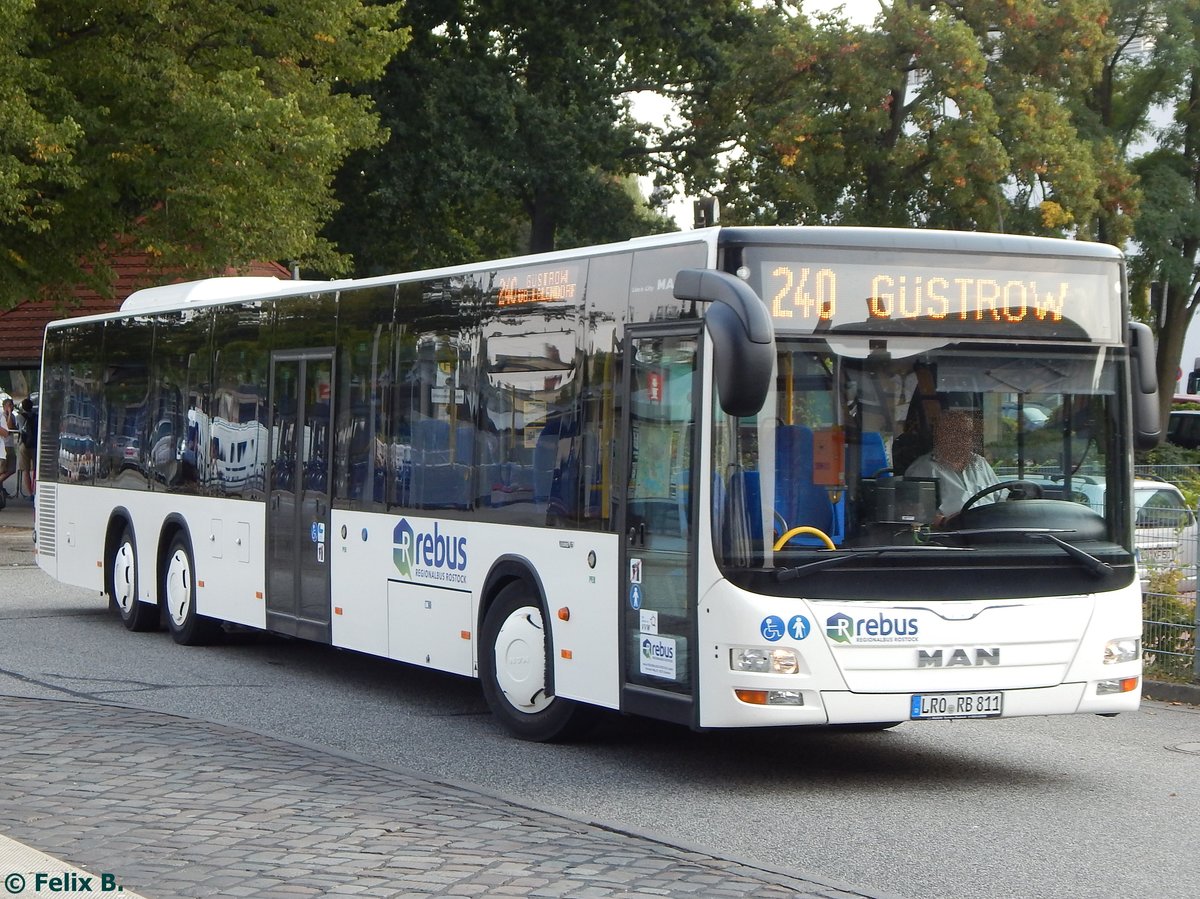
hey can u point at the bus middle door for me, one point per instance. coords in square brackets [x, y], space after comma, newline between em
[298, 597]
[658, 608]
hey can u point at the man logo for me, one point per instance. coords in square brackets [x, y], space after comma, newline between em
[958, 658]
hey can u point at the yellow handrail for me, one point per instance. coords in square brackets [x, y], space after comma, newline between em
[804, 529]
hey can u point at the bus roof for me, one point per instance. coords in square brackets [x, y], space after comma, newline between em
[215, 291]
[209, 290]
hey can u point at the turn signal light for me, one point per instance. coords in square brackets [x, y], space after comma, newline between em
[754, 697]
[1122, 685]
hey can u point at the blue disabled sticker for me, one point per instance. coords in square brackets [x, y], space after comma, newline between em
[798, 627]
[635, 596]
[771, 628]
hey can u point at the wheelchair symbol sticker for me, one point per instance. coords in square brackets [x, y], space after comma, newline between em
[772, 628]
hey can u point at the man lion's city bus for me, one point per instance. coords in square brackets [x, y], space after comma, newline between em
[668, 477]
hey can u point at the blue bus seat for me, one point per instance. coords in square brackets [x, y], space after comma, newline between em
[797, 499]
[874, 456]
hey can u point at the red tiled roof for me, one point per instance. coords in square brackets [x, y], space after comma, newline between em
[22, 326]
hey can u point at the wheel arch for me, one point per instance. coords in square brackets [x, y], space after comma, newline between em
[506, 570]
[118, 520]
[173, 524]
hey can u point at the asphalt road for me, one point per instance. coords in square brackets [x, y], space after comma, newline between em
[1065, 807]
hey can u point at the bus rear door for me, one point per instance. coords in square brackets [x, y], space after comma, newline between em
[298, 538]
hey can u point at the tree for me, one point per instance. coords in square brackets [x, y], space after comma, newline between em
[944, 114]
[1167, 255]
[206, 132]
[511, 127]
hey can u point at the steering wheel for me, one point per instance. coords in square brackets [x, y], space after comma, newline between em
[1025, 489]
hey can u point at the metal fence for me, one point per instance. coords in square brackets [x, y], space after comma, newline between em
[1169, 551]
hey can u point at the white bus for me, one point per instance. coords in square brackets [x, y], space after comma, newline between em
[679, 477]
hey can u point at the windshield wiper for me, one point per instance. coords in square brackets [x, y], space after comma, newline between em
[1095, 567]
[830, 559]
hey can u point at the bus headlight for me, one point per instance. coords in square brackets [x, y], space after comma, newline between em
[764, 660]
[1128, 649]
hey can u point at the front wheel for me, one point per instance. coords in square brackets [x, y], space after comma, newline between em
[513, 658]
[123, 587]
[179, 596]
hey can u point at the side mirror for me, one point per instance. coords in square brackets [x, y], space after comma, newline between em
[742, 336]
[1143, 384]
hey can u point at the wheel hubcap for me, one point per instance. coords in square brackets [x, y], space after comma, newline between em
[125, 578]
[521, 661]
[179, 588]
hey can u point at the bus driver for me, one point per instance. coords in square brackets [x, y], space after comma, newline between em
[960, 471]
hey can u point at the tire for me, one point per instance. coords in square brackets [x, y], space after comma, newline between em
[179, 596]
[513, 658]
[123, 586]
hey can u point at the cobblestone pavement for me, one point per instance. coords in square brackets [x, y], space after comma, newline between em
[174, 807]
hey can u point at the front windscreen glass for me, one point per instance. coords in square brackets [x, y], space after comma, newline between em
[940, 469]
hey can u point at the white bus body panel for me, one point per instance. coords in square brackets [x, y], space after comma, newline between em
[431, 617]
[1050, 655]
[228, 546]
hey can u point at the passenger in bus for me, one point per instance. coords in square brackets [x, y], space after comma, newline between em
[960, 471]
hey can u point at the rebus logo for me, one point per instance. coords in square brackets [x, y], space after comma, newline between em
[841, 628]
[402, 551]
[429, 555]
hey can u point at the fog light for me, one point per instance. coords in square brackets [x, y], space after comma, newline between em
[1117, 685]
[1127, 649]
[785, 697]
[764, 660]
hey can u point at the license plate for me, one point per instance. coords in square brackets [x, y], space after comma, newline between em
[1157, 555]
[957, 705]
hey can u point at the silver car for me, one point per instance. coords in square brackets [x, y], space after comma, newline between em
[1165, 528]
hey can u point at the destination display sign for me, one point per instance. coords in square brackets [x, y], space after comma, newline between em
[545, 284]
[988, 297]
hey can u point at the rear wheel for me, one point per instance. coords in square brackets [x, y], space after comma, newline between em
[514, 657]
[179, 596]
[123, 586]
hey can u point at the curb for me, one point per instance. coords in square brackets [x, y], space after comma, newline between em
[1165, 691]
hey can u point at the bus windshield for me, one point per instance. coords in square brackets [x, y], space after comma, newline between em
[955, 468]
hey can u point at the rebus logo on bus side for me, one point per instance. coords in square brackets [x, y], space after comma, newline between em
[429, 555]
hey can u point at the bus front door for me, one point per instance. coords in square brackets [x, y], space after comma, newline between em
[298, 498]
[662, 392]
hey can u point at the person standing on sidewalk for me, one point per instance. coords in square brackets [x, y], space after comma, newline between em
[8, 431]
[27, 424]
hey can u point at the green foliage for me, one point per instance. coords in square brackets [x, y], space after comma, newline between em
[511, 128]
[206, 132]
[1169, 636]
[943, 114]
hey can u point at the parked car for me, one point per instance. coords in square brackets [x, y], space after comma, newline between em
[1165, 528]
[1183, 428]
[1033, 416]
